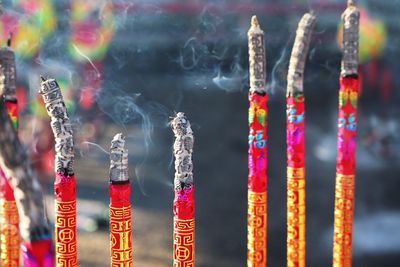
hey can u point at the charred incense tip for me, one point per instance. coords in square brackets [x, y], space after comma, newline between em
[257, 64]
[118, 160]
[60, 124]
[254, 22]
[299, 53]
[351, 21]
[350, 3]
[183, 149]
[9, 39]
[42, 78]
[7, 74]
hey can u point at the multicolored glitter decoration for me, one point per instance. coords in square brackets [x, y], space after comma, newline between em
[296, 190]
[347, 126]
[9, 219]
[120, 206]
[64, 185]
[184, 222]
[257, 180]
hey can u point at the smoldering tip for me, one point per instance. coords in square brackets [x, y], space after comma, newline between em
[254, 21]
[42, 78]
[9, 39]
[350, 3]
[118, 160]
[180, 124]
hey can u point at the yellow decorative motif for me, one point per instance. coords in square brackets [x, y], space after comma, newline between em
[343, 224]
[296, 217]
[121, 236]
[9, 235]
[65, 238]
[184, 243]
[257, 229]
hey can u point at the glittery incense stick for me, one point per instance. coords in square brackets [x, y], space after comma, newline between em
[9, 232]
[33, 226]
[347, 125]
[184, 238]
[120, 206]
[296, 192]
[257, 180]
[64, 185]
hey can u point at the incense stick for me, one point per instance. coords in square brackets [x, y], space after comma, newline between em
[15, 163]
[296, 204]
[64, 185]
[257, 153]
[184, 222]
[9, 220]
[120, 207]
[347, 125]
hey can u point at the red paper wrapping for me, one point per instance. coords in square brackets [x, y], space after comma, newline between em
[257, 181]
[184, 226]
[65, 220]
[296, 206]
[9, 219]
[120, 225]
[345, 172]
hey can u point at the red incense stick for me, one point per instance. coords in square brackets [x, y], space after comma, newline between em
[257, 179]
[9, 219]
[33, 226]
[296, 192]
[64, 185]
[347, 125]
[120, 206]
[184, 222]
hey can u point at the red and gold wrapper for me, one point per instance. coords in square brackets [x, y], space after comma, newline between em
[257, 181]
[120, 225]
[184, 228]
[345, 172]
[65, 221]
[296, 206]
[9, 219]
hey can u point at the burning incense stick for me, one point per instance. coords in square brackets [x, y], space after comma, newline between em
[34, 229]
[184, 223]
[120, 206]
[296, 202]
[257, 180]
[64, 185]
[9, 232]
[347, 125]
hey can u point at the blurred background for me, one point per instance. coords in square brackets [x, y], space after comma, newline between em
[129, 66]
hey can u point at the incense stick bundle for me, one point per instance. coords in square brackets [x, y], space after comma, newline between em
[296, 192]
[64, 185]
[184, 222]
[347, 125]
[120, 206]
[34, 229]
[257, 153]
[9, 220]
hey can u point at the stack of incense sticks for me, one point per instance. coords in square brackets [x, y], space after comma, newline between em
[184, 223]
[64, 185]
[33, 225]
[9, 232]
[257, 180]
[347, 125]
[296, 202]
[120, 207]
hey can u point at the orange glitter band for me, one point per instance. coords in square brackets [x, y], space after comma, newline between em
[344, 210]
[257, 229]
[9, 233]
[296, 217]
[183, 243]
[121, 236]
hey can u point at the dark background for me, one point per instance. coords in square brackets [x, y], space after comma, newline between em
[191, 56]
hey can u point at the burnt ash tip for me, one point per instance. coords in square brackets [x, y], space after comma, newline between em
[118, 160]
[254, 21]
[9, 39]
[180, 124]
